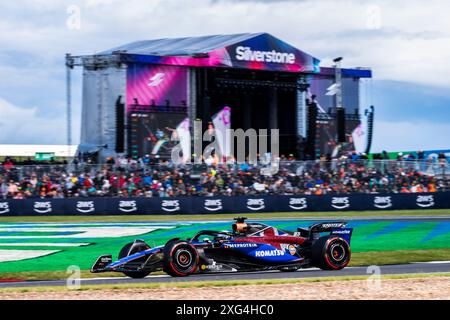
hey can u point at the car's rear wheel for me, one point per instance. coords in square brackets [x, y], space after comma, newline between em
[180, 258]
[125, 252]
[331, 253]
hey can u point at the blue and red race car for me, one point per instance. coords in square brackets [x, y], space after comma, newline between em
[249, 247]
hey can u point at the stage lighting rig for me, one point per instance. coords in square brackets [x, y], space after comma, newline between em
[222, 82]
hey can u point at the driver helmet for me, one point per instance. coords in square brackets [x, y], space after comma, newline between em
[240, 227]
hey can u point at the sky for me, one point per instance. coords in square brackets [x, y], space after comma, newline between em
[406, 43]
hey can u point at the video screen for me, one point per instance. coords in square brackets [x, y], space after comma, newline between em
[327, 134]
[152, 133]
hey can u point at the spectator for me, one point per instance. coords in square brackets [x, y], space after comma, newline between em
[420, 155]
[442, 159]
[352, 173]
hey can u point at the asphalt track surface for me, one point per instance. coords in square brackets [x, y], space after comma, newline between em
[412, 268]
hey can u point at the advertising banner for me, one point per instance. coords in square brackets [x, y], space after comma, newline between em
[266, 52]
[223, 204]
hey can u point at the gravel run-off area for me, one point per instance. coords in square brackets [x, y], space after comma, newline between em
[386, 289]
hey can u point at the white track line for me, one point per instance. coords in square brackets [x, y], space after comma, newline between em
[432, 262]
[15, 255]
[42, 244]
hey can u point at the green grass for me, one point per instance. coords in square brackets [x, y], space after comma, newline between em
[51, 275]
[398, 257]
[277, 215]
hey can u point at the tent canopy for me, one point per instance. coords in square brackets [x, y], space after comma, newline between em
[188, 46]
[248, 50]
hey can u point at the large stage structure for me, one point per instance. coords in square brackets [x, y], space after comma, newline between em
[135, 95]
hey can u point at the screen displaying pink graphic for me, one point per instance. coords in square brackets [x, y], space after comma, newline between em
[156, 83]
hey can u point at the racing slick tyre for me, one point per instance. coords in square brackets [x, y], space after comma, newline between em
[180, 258]
[330, 253]
[125, 252]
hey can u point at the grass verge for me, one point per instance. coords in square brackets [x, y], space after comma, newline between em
[203, 217]
[398, 257]
[51, 275]
[358, 259]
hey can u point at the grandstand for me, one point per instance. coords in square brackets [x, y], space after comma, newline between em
[129, 178]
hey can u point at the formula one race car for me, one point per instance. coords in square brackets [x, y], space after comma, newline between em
[249, 247]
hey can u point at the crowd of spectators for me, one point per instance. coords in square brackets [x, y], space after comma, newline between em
[149, 178]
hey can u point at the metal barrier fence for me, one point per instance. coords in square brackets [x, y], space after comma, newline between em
[303, 171]
[431, 168]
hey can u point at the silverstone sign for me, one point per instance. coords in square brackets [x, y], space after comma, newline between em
[265, 52]
[224, 204]
[248, 54]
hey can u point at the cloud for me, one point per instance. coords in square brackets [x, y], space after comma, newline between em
[402, 48]
[25, 125]
[408, 43]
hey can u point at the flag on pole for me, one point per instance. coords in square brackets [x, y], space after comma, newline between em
[184, 136]
[222, 124]
[359, 137]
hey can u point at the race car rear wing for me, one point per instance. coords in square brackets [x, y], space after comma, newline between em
[335, 228]
[327, 226]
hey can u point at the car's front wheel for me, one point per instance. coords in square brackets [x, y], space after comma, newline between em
[180, 258]
[129, 250]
